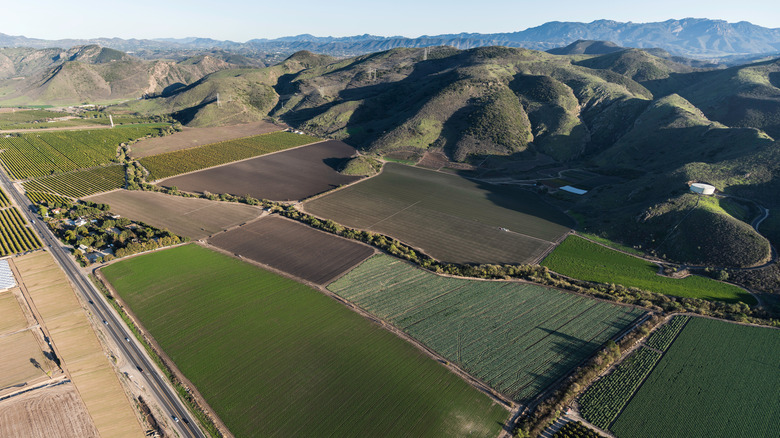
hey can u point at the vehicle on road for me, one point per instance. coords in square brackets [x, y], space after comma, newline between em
[175, 418]
[127, 339]
[105, 322]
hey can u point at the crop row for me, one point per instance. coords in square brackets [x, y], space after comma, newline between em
[4, 199]
[39, 154]
[604, 400]
[80, 184]
[202, 157]
[518, 338]
[15, 237]
[576, 430]
[662, 338]
[37, 197]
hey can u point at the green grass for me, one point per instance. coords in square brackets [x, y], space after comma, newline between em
[579, 258]
[276, 358]
[202, 157]
[718, 379]
[519, 338]
[449, 217]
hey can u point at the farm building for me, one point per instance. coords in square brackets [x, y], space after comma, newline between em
[574, 190]
[702, 189]
[7, 279]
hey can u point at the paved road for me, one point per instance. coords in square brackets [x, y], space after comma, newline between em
[151, 378]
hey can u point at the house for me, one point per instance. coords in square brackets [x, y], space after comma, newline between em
[70, 223]
[80, 222]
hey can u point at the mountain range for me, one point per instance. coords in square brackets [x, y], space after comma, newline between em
[691, 37]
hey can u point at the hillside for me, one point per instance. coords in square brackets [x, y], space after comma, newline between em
[587, 47]
[91, 74]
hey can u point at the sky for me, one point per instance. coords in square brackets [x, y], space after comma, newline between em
[242, 20]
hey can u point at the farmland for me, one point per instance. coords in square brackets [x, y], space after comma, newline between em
[44, 153]
[80, 183]
[77, 344]
[275, 358]
[716, 379]
[294, 248]
[197, 158]
[450, 218]
[4, 199]
[579, 258]
[8, 119]
[602, 402]
[37, 197]
[11, 316]
[22, 359]
[519, 338]
[662, 338]
[15, 236]
[51, 412]
[192, 217]
[290, 175]
[191, 137]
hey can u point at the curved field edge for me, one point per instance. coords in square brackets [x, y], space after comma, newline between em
[579, 258]
[714, 380]
[518, 338]
[263, 349]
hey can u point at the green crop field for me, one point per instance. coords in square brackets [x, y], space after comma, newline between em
[662, 338]
[37, 197]
[519, 338]
[202, 157]
[81, 183]
[44, 153]
[718, 379]
[15, 236]
[15, 119]
[602, 402]
[4, 199]
[579, 258]
[276, 358]
[449, 217]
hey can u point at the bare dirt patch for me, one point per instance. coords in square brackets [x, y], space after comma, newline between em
[11, 316]
[191, 137]
[284, 176]
[192, 217]
[21, 360]
[294, 248]
[53, 412]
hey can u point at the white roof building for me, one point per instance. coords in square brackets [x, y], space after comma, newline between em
[7, 279]
[703, 189]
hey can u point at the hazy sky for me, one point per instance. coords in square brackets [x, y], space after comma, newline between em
[241, 20]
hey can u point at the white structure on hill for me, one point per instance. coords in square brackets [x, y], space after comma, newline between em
[7, 279]
[702, 189]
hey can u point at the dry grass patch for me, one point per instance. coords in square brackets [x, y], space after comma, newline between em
[21, 359]
[192, 217]
[78, 346]
[55, 412]
[11, 316]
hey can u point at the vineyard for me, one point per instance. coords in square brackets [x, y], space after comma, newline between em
[38, 197]
[82, 183]
[45, 153]
[202, 157]
[4, 199]
[15, 237]
[662, 338]
[604, 400]
[518, 338]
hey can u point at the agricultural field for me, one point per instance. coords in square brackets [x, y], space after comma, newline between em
[519, 338]
[13, 119]
[38, 197]
[662, 338]
[290, 175]
[15, 236]
[191, 137]
[191, 217]
[202, 157]
[273, 357]
[44, 153]
[4, 202]
[11, 316]
[77, 344]
[22, 359]
[448, 217]
[50, 412]
[294, 248]
[576, 430]
[81, 183]
[604, 400]
[718, 379]
[579, 258]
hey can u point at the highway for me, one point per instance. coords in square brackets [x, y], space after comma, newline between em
[151, 378]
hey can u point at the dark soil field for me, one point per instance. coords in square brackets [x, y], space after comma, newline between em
[449, 217]
[191, 137]
[295, 174]
[293, 248]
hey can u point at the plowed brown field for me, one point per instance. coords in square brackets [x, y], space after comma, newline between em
[294, 248]
[55, 412]
[283, 176]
